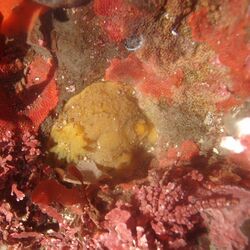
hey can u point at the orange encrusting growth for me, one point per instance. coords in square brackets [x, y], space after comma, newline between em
[18, 16]
[182, 154]
[145, 76]
[162, 87]
[117, 18]
[232, 46]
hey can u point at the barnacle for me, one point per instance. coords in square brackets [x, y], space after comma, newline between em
[103, 123]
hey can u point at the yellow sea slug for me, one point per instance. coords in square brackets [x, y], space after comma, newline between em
[103, 123]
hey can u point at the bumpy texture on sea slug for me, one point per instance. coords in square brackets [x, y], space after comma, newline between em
[103, 123]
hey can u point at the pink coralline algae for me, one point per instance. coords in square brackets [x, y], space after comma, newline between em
[174, 206]
[225, 224]
[18, 233]
[119, 236]
[15, 152]
[19, 167]
[123, 232]
[23, 223]
[169, 209]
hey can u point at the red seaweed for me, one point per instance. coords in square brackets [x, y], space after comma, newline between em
[49, 191]
[19, 16]
[29, 108]
[41, 94]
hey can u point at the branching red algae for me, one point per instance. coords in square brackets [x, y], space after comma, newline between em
[167, 210]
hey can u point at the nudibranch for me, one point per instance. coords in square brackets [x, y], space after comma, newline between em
[103, 123]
